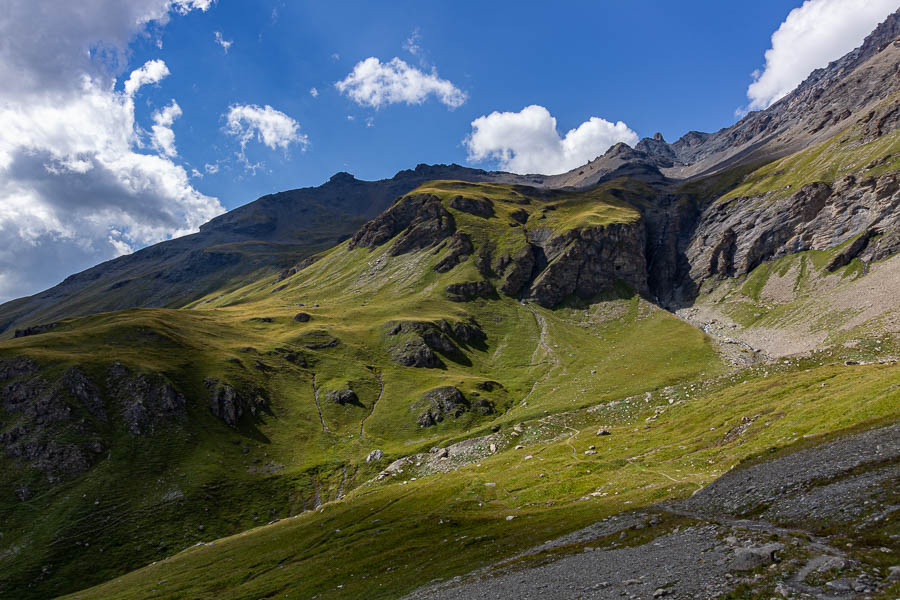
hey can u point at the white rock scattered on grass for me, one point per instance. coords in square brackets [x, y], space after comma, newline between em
[520, 447]
[510, 517]
[492, 448]
[490, 484]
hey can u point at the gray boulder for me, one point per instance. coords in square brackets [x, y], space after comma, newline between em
[444, 401]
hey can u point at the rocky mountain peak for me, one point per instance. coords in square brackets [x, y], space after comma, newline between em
[342, 177]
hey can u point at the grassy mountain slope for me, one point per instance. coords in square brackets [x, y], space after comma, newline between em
[193, 478]
[385, 539]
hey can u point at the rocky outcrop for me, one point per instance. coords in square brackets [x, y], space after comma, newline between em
[480, 207]
[458, 250]
[447, 401]
[420, 221]
[443, 402]
[17, 366]
[469, 333]
[146, 400]
[48, 429]
[733, 238]
[415, 353]
[419, 340]
[470, 290]
[588, 261]
[37, 329]
[229, 405]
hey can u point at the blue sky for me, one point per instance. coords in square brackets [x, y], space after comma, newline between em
[128, 122]
[657, 66]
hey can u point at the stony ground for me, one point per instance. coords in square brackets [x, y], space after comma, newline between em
[777, 529]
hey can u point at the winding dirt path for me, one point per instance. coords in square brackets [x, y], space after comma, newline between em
[548, 351]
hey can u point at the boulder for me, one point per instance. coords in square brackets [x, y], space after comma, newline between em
[302, 317]
[746, 559]
[374, 456]
[444, 401]
[342, 397]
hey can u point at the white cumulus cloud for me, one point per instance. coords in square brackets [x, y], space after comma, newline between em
[153, 71]
[373, 83]
[314, 92]
[162, 134]
[270, 127]
[812, 35]
[77, 185]
[528, 141]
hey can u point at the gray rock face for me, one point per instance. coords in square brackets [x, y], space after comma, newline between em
[734, 238]
[470, 290]
[18, 366]
[458, 250]
[85, 391]
[589, 261]
[516, 271]
[444, 401]
[146, 400]
[374, 456]
[420, 220]
[229, 405]
[45, 430]
[469, 333]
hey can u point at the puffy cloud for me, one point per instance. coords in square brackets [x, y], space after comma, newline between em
[528, 142]
[812, 35]
[162, 134]
[226, 44]
[153, 71]
[373, 83]
[314, 92]
[270, 127]
[76, 185]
